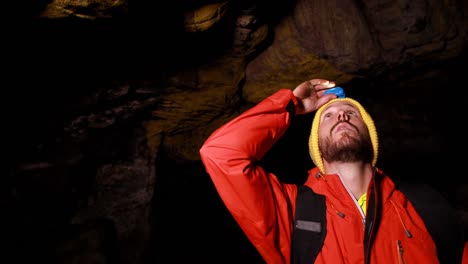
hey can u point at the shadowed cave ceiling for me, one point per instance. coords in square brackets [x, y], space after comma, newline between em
[110, 107]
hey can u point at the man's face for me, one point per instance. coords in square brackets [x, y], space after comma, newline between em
[343, 135]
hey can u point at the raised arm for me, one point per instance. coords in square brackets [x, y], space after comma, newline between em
[261, 205]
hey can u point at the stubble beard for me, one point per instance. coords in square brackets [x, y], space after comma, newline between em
[348, 148]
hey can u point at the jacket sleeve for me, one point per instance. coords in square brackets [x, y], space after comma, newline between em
[465, 253]
[262, 205]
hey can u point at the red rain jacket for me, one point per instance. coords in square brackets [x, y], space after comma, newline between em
[264, 207]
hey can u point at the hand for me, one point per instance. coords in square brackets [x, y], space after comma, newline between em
[310, 96]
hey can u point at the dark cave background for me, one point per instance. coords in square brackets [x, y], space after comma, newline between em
[56, 66]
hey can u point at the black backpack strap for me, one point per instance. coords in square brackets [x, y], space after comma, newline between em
[440, 220]
[309, 226]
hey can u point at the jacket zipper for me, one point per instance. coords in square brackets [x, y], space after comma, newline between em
[400, 252]
[372, 217]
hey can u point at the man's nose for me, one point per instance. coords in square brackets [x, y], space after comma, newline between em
[342, 116]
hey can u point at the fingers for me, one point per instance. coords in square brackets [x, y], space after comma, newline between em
[320, 84]
[318, 81]
[324, 99]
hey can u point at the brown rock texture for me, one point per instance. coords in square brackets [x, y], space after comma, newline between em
[110, 107]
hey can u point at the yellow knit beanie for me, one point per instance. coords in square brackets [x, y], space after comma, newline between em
[314, 150]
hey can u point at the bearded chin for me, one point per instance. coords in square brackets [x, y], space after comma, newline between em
[347, 149]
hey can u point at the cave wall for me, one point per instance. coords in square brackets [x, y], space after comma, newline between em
[107, 110]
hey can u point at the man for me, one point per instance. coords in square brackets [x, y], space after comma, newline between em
[368, 220]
